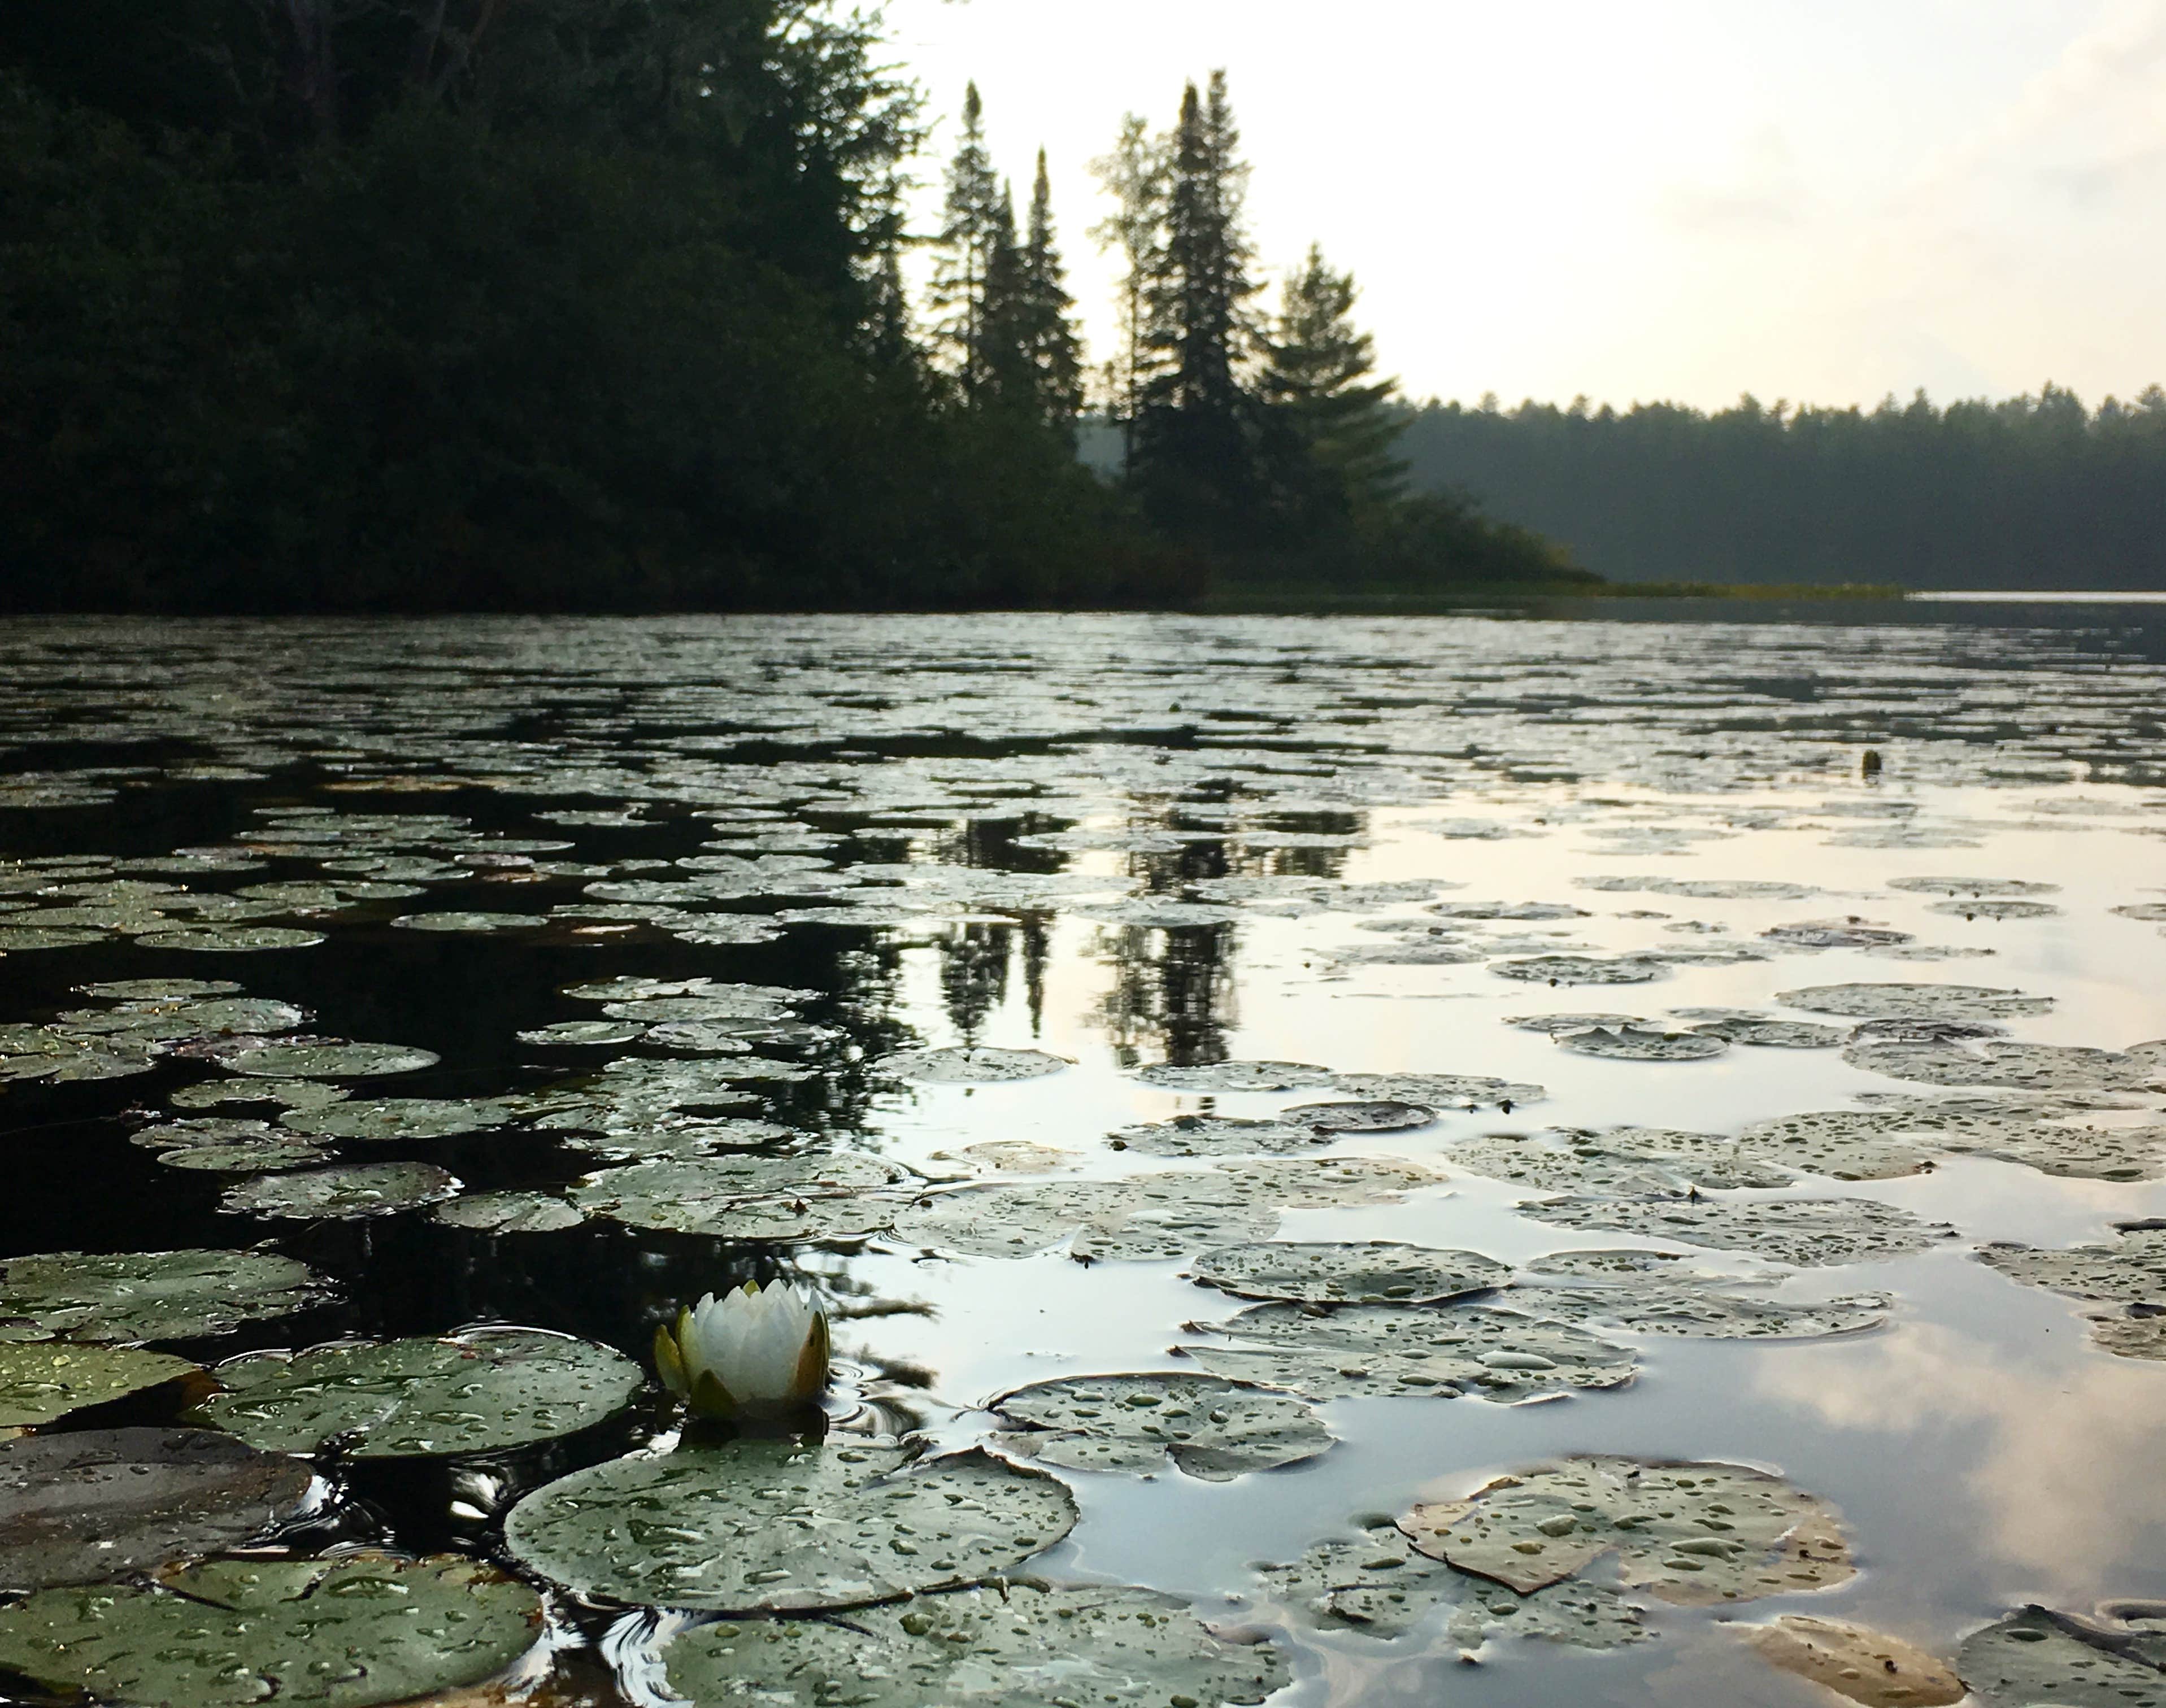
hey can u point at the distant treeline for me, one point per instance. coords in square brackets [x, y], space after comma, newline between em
[541, 305]
[2035, 491]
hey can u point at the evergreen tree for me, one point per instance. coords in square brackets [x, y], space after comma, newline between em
[1197, 432]
[1134, 175]
[1002, 361]
[968, 234]
[1339, 419]
[1049, 338]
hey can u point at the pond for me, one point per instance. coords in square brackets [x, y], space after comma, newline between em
[1503, 1161]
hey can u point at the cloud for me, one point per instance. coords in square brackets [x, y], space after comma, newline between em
[1764, 193]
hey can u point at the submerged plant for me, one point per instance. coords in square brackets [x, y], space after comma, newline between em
[748, 1352]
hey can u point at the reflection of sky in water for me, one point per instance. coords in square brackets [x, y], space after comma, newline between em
[1982, 1452]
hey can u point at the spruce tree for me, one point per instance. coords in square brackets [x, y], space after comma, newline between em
[1197, 435]
[1340, 426]
[1049, 338]
[1134, 175]
[1002, 361]
[968, 233]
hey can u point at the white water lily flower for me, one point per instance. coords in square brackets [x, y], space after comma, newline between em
[747, 1351]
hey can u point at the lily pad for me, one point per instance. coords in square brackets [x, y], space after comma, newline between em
[1008, 1156]
[2039, 1656]
[1217, 1135]
[477, 1392]
[1807, 1232]
[1692, 1535]
[1998, 1061]
[1579, 969]
[583, 1034]
[726, 1196]
[327, 1060]
[507, 1213]
[1372, 1271]
[1378, 1584]
[1384, 1115]
[1927, 1002]
[1569, 1163]
[1835, 934]
[1971, 886]
[1237, 1076]
[1364, 1350]
[769, 1526]
[1211, 1429]
[2128, 1278]
[399, 1118]
[1435, 1091]
[1774, 1034]
[232, 940]
[1643, 1044]
[467, 922]
[84, 1505]
[150, 1296]
[971, 1066]
[349, 1633]
[41, 1380]
[1995, 908]
[1553, 1024]
[1870, 1668]
[360, 1189]
[1655, 1304]
[1025, 1645]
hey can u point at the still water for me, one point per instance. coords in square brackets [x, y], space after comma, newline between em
[1510, 864]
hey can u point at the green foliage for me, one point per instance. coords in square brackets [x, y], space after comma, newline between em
[1319, 375]
[2032, 491]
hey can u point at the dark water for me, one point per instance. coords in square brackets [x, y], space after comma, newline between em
[1982, 1452]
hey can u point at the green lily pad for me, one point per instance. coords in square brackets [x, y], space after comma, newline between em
[1971, 886]
[359, 1630]
[1841, 1144]
[41, 1380]
[971, 1066]
[1930, 1001]
[507, 1213]
[1566, 1163]
[1763, 1034]
[1372, 1271]
[1379, 1585]
[151, 1295]
[1211, 1429]
[1025, 1645]
[766, 1526]
[1363, 1350]
[15, 938]
[725, 1195]
[1709, 1161]
[1995, 908]
[1807, 1232]
[1380, 1115]
[1693, 1535]
[1997, 1062]
[2127, 1277]
[1553, 1024]
[1655, 1304]
[469, 921]
[159, 989]
[1435, 1091]
[583, 1034]
[327, 1059]
[288, 1093]
[1643, 1044]
[1879, 1144]
[476, 1392]
[1236, 1075]
[232, 940]
[341, 1193]
[2039, 1656]
[399, 1118]
[1579, 969]
[88, 1505]
[1217, 1135]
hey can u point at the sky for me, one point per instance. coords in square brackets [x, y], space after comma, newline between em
[1819, 200]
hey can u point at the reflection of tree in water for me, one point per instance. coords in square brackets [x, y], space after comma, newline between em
[974, 975]
[1173, 990]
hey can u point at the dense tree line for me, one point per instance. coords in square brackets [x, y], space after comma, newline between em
[2033, 491]
[569, 304]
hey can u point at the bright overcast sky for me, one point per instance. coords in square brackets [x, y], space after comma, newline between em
[1818, 199]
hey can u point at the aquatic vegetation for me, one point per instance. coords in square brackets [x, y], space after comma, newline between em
[754, 1349]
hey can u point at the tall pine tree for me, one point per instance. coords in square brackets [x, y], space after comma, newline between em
[1196, 457]
[969, 232]
[1338, 427]
[1050, 338]
[1006, 375]
[1134, 175]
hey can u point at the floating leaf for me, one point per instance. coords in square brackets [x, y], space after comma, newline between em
[1379, 1585]
[1372, 1271]
[1008, 1156]
[1996, 1061]
[1024, 1645]
[359, 1630]
[231, 940]
[1211, 1429]
[1439, 1090]
[1971, 886]
[1869, 1666]
[85, 1505]
[476, 1392]
[1361, 1350]
[730, 1196]
[1385, 1116]
[1643, 1044]
[1835, 934]
[972, 1066]
[2040, 1655]
[400, 1118]
[1943, 1002]
[41, 1380]
[1995, 908]
[1553, 1024]
[2129, 1277]
[584, 1033]
[326, 1060]
[1656, 1304]
[1237, 1076]
[764, 1527]
[361, 1189]
[151, 1295]
[1689, 1534]
[1808, 1231]
[1579, 969]
[1217, 1135]
[507, 1213]
[1774, 1034]
[467, 922]
[1568, 1163]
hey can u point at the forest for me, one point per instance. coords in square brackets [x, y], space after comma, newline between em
[2030, 492]
[600, 304]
